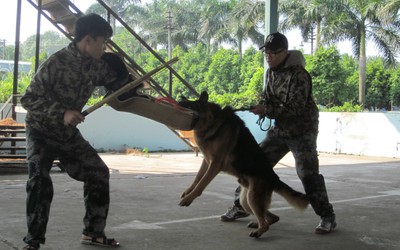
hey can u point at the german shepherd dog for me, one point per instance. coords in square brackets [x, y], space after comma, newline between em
[227, 145]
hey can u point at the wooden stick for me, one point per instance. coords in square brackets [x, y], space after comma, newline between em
[128, 86]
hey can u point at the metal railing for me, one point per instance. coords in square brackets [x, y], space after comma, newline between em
[3, 109]
[135, 68]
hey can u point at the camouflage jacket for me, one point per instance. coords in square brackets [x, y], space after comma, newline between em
[64, 82]
[288, 98]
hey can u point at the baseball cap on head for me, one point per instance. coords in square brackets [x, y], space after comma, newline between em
[275, 41]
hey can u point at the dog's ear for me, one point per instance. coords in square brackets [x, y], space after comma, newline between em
[203, 96]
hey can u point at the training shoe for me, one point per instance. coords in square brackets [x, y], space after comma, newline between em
[32, 246]
[326, 225]
[234, 213]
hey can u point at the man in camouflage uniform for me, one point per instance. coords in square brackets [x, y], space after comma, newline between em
[287, 99]
[54, 101]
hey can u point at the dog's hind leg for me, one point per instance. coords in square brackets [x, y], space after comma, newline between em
[271, 218]
[243, 200]
[259, 199]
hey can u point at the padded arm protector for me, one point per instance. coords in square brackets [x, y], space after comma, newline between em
[116, 64]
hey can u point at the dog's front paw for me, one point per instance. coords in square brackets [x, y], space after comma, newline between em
[259, 232]
[255, 234]
[186, 201]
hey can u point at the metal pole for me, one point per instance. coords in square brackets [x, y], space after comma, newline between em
[271, 22]
[312, 41]
[4, 49]
[16, 59]
[271, 16]
[169, 27]
[37, 51]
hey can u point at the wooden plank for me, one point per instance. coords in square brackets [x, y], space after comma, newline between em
[9, 156]
[19, 126]
[13, 148]
[3, 139]
[9, 131]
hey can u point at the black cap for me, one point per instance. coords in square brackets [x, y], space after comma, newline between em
[275, 41]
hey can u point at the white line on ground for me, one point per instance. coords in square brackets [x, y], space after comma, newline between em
[135, 224]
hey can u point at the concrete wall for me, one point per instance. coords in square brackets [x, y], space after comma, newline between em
[108, 129]
[369, 134]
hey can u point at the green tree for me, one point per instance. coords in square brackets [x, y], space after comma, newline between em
[7, 51]
[246, 18]
[378, 85]
[349, 65]
[390, 10]
[192, 66]
[128, 43]
[251, 64]
[353, 20]
[223, 75]
[6, 85]
[327, 74]
[395, 87]
[50, 42]
[152, 22]
[359, 22]
[186, 23]
[211, 22]
[251, 77]
[293, 15]
[214, 24]
[308, 16]
[250, 82]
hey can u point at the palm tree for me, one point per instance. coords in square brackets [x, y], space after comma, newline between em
[359, 22]
[186, 23]
[306, 15]
[214, 24]
[247, 16]
[390, 9]
[148, 21]
[293, 15]
[353, 20]
[153, 22]
[118, 6]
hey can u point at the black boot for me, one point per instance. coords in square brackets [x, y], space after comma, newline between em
[314, 186]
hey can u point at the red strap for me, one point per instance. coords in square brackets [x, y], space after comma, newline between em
[167, 100]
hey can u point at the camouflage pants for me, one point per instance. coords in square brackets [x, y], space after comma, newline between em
[82, 163]
[304, 150]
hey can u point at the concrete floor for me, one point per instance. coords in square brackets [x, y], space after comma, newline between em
[144, 211]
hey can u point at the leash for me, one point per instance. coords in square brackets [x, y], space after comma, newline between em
[260, 120]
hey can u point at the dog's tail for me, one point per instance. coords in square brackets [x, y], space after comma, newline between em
[297, 199]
